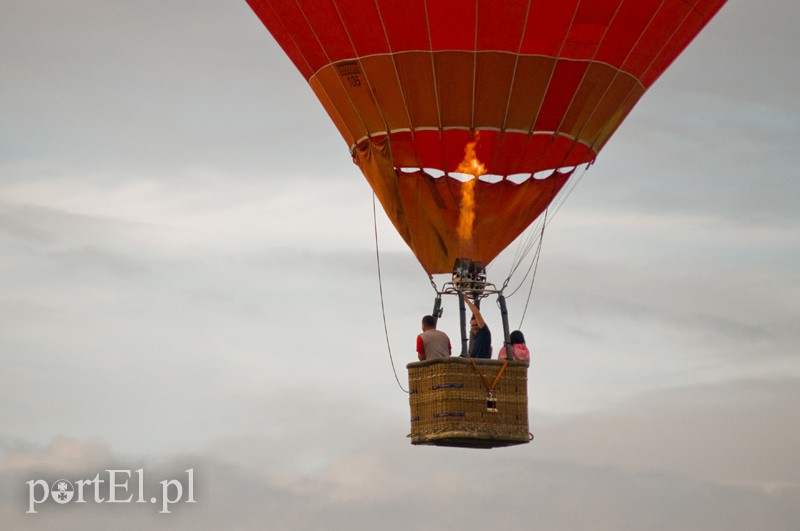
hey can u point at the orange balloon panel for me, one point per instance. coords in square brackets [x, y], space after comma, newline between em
[538, 84]
[425, 210]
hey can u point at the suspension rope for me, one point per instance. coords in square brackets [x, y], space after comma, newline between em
[538, 240]
[570, 187]
[531, 240]
[536, 231]
[535, 261]
[380, 287]
[535, 268]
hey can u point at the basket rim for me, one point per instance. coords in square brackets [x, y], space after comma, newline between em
[465, 361]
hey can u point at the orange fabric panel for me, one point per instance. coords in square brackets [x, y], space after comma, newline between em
[493, 75]
[347, 79]
[415, 70]
[328, 82]
[622, 111]
[586, 99]
[611, 109]
[375, 161]
[527, 92]
[382, 80]
[425, 211]
[455, 72]
[345, 123]
[379, 94]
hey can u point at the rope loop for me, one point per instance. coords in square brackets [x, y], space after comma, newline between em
[380, 287]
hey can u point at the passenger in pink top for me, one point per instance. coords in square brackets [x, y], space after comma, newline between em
[521, 352]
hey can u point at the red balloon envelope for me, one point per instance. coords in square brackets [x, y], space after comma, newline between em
[518, 86]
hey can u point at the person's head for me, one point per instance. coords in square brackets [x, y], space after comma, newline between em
[473, 324]
[516, 338]
[428, 322]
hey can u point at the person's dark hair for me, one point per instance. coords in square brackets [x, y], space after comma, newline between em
[429, 320]
[516, 338]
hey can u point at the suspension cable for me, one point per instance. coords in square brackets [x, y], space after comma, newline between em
[536, 237]
[535, 268]
[380, 287]
[534, 261]
[536, 231]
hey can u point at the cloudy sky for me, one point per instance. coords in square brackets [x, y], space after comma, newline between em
[188, 280]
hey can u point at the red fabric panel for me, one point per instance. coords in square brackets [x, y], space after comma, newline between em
[567, 28]
[403, 153]
[452, 25]
[624, 33]
[364, 26]
[426, 146]
[690, 27]
[453, 144]
[286, 23]
[328, 29]
[566, 80]
[405, 23]
[518, 153]
[588, 28]
[596, 12]
[548, 22]
[655, 36]
[500, 24]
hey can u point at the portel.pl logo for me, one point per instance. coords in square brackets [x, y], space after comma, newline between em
[116, 487]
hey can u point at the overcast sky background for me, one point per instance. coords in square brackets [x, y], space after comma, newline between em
[188, 279]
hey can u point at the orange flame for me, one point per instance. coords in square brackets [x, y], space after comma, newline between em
[472, 166]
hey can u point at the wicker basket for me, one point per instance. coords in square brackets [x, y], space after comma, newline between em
[449, 396]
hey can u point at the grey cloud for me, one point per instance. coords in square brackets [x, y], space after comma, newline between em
[395, 486]
[640, 296]
[167, 85]
[715, 134]
[732, 433]
[92, 257]
[22, 230]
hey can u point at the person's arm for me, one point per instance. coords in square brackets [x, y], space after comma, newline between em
[420, 349]
[476, 313]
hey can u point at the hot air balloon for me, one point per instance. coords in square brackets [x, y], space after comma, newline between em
[454, 109]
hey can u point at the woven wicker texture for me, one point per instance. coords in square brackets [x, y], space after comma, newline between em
[448, 399]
